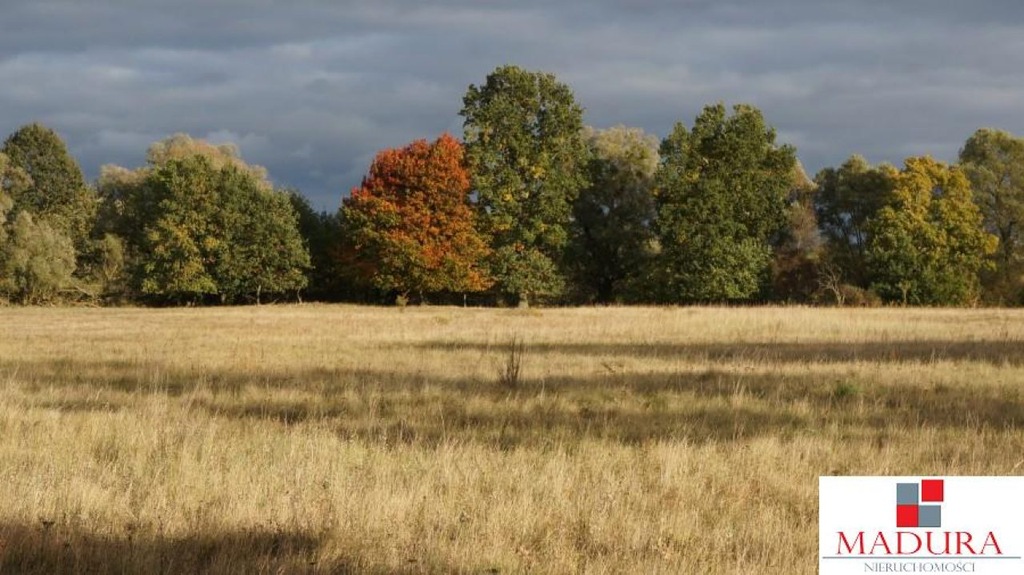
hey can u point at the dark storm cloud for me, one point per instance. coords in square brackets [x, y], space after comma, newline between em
[313, 89]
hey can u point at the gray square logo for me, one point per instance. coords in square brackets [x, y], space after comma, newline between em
[929, 516]
[907, 493]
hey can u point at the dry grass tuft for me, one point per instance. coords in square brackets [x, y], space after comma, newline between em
[510, 375]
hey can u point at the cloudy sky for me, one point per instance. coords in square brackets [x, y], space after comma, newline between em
[312, 89]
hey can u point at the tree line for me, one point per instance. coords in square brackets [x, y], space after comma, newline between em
[529, 206]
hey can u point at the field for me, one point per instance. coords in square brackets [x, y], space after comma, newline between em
[338, 439]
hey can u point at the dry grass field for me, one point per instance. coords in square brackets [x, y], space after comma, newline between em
[338, 439]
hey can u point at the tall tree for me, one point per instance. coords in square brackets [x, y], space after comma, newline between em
[928, 244]
[262, 251]
[848, 198]
[126, 201]
[799, 247]
[526, 154]
[612, 231]
[180, 238]
[411, 224]
[721, 195]
[202, 224]
[56, 189]
[994, 163]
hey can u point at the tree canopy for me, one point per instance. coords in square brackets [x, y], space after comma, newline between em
[994, 163]
[799, 248]
[721, 196]
[927, 241]
[848, 197]
[203, 224]
[527, 159]
[531, 206]
[411, 225]
[613, 217]
[36, 260]
[322, 234]
[52, 186]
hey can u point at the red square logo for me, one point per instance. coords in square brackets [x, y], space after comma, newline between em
[932, 490]
[906, 516]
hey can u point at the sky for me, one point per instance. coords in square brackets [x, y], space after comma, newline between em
[312, 89]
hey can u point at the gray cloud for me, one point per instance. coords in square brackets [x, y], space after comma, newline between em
[313, 89]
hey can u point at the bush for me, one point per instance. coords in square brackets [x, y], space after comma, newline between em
[855, 296]
[37, 261]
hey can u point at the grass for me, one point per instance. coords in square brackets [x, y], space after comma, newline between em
[338, 439]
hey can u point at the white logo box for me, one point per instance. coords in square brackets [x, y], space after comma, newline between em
[981, 531]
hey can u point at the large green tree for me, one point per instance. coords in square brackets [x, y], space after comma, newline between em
[928, 244]
[721, 195]
[848, 197]
[198, 222]
[526, 153]
[56, 190]
[262, 251]
[994, 162]
[612, 231]
[180, 239]
[411, 225]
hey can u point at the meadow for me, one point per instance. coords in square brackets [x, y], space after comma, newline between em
[342, 439]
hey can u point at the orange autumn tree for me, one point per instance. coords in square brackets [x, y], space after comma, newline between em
[410, 226]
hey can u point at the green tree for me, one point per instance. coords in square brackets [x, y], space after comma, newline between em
[994, 163]
[123, 192]
[37, 261]
[928, 244]
[56, 189]
[199, 222]
[262, 251]
[180, 239]
[848, 198]
[799, 248]
[612, 231]
[321, 232]
[527, 157]
[411, 224]
[721, 198]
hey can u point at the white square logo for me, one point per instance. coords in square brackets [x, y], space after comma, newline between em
[920, 525]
